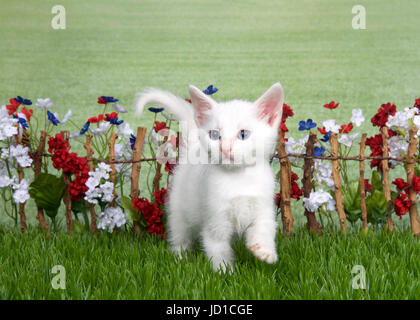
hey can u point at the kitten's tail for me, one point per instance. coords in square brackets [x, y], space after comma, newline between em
[173, 104]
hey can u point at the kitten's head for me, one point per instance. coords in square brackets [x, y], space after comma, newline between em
[238, 133]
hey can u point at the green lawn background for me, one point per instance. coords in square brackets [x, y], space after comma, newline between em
[118, 48]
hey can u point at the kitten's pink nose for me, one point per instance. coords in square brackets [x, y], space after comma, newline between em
[226, 149]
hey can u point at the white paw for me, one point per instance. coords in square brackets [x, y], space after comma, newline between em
[263, 253]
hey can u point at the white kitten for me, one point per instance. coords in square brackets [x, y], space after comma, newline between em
[212, 201]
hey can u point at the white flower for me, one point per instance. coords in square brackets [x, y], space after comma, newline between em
[347, 139]
[20, 153]
[107, 190]
[44, 104]
[402, 120]
[319, 199]
[96, 190]
[67, 116]
[398, 148]
[293, 146]
[416, 122]
[323, 174]
[5, 181]
[330, 125]
[21, 194]
[119, 108]
[8, 127]
[125, 131]
[112, 217]
[102, 166]
[357, 117]
[75, 135]
[103, 127]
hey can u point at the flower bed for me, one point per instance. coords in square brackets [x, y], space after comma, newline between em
[92, 188]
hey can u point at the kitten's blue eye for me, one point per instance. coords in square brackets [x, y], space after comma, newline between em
[214, 134]
[244, 134]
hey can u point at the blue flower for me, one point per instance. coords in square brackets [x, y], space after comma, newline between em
[132, 141]
[308, 125]
[156, 110]
[21, 100]
[109, 99]
[326, 137]
[22, 121]
[52, 118]
[114, 121]
[319, 152]
[210, 90]
[85, 128]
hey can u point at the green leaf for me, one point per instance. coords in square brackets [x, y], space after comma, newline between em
[127, 204]
[376, 182]
[47, 191]
[351, 199]
[79, 206]
[376, 206]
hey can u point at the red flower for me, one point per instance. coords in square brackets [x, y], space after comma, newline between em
[102, 101]
[416, 184]
[278, 200]
[401, 184]
[160, 196]
[295, 192]
[159, 126]
[157, 229]
[70, 163]
[112, 115]
[27, 113]
[287, 112]
[283, 127]
[188, 100]
[375, 144]
[368, 187]
[417, 103]
[97, 119]
[332, 105]
[13, 106]
[151, 213]
[322, 131]
[401, 204]
[169, 167]
[346, 128]
[381, 117]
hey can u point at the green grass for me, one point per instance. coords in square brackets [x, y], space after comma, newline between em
[122, 266]
[119, 48]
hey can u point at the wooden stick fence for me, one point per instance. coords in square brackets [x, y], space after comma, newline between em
[285, 179]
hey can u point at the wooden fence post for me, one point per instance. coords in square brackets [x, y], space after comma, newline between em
[21, 176]
[412, 148]
[312, 224]
[337, 182]
[135, 169]
[89, 155]
[67, 197]
[385, 173]
[362, 182]
[37, 170]
[285, 186]
[113, 175]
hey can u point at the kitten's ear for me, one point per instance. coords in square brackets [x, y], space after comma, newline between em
[201, 102]
[270, 104]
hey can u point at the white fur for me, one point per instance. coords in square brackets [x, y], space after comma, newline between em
[212, 202]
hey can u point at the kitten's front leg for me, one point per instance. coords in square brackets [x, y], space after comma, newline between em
[261, 235]
[217, 245]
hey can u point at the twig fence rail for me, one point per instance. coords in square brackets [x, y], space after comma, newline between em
[285, 179]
